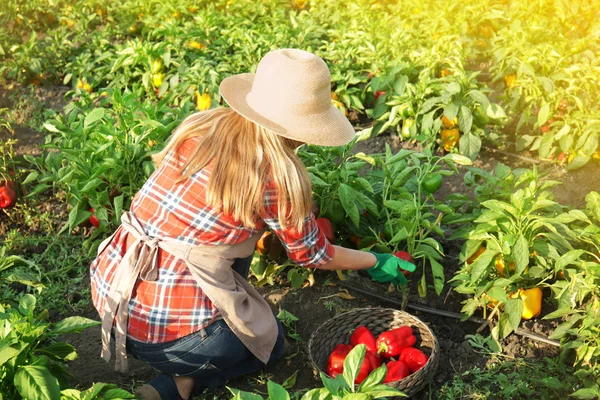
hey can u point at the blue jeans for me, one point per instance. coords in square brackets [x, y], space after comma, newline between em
[212, 355]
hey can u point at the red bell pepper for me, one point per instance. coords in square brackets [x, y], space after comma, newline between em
[374, 359]
[332, 372]
[403, 255]
[378, 93]
[326, 228]
[392, 342]
[362, 335]
[396, 370]
[335, 363]
[415, 359]
[364, 371]
[93, 219]
[7, 196]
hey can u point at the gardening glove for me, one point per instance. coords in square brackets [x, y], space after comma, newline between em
[388, 268]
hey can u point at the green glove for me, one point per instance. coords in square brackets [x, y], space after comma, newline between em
[387, 268]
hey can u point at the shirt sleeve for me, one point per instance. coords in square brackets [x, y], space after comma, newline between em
[308, 247]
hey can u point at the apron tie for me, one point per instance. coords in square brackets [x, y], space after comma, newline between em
[140, 260]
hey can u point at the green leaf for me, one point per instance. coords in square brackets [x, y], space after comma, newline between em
[561, 312]
[375, 378]
[73, 324]
[60, 350]
[495, 111]
[451, 111]
[241, 395]
[277, 391]
[50, 128]
[117, 394]
[362, 156]
[291, 381]
[577, 162]
[92, 184]
[400, 85]
[401, 178]
[95, 390]
[10, 350]
[364, 184]
[30, 178]
[543, 114]
[459, 159]
[399, 236]
[316, 394]
[34, 382]
[546, 144]
[465, 120]
[438, 275]
[568, 258]
[77, 216]
[514, 309]
[562, 132]
[521, 254]
[334, 386]
[524, 141]
[383, 391]
[347, 198]
[481, 264]
[480, 98]
[587, 393]
[470, 145]
[27, 304]
[118, 202]
[566, 143]
[357, 396]
[352, 364]
[94, 115]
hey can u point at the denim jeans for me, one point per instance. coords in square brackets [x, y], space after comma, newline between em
[212, 355]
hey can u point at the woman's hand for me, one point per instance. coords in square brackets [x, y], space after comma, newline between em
[389, 268]
[381, 266]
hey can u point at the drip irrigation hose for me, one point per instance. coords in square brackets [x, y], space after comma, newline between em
[448, 314]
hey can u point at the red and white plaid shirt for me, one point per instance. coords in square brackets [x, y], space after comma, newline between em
[174, 305]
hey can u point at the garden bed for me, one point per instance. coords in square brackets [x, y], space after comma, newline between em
[315, 304]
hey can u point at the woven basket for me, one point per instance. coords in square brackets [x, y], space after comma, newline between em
[339, 328]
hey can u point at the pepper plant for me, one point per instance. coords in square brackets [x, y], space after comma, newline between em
[576, 288]
[33, 362]
[16, 269]
[451, 110]
[512, 251]
[100, 155]
[411, 215]
[340, 190]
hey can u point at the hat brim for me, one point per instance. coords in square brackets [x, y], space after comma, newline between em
[330, 128]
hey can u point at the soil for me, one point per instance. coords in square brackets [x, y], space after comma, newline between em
[315, 304]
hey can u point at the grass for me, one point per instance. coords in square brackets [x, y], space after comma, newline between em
[513, 379]
[63, 265]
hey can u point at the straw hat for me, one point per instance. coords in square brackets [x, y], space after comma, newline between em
[290, 95]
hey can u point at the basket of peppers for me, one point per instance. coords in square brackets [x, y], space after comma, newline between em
[401, 341]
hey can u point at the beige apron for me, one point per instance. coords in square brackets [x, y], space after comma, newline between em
[241, 306]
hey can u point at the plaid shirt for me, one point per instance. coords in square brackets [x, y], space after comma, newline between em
[174, 305]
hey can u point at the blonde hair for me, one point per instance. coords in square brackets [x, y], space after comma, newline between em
[244, 157]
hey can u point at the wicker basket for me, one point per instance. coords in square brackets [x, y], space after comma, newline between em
[339, 328]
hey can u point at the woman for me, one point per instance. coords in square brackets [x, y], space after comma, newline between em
[171, 280]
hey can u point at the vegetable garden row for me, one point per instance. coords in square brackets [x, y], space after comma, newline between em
[445, 79]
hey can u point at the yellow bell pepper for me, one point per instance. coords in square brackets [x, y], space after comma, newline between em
[510, 80]
[203, 101]
[450, 138]
[448, 123]
[532, 302]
